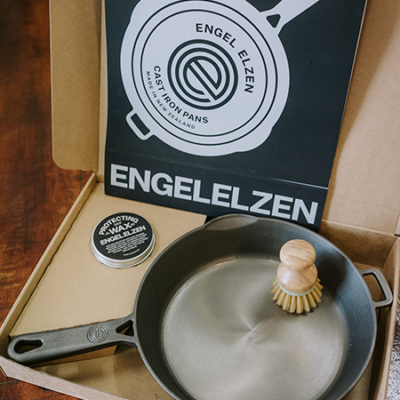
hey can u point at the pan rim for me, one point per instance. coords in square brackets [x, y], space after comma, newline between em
[247, 219]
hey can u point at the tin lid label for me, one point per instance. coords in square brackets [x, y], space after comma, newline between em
[122, 240]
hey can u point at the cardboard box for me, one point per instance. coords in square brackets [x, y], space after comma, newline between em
[361, 215]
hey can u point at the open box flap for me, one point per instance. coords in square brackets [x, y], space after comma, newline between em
[75, 69]
[364, 190]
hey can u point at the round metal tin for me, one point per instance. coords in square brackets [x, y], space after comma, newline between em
[122, 240]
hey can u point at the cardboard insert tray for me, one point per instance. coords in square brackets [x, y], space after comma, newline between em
[65, 281]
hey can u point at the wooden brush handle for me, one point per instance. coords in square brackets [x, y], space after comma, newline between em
[297, 254]
[297, 272]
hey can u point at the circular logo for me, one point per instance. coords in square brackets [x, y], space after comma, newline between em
[202, 74]
[213, 86]
[97, 333]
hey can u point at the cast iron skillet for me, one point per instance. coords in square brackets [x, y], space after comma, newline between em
[207, 328]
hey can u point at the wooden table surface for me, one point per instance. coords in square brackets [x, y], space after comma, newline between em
[35, 194]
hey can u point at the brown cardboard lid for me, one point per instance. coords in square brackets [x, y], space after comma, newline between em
[75, 68]
[365, 182]
[364, 190]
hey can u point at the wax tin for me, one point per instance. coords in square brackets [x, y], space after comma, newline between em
[122, 240]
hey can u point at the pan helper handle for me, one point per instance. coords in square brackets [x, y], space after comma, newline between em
[287, 10]
[380, 278]
[41, 347]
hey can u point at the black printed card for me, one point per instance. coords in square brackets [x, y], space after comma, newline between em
[232, 106]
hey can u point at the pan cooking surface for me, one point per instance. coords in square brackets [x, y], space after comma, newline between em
[224, 339]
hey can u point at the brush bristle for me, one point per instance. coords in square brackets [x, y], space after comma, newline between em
[297, 304]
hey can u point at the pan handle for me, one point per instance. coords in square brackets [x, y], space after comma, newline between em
[382, 283]
[285, 11]
[35, 348]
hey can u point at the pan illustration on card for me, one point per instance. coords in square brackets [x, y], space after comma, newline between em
[206, 77]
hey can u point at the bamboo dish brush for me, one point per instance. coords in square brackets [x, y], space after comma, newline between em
[297, 287]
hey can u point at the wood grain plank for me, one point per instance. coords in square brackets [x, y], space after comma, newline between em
[35, 194]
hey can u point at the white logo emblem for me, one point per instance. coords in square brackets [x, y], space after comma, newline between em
[206, 78]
